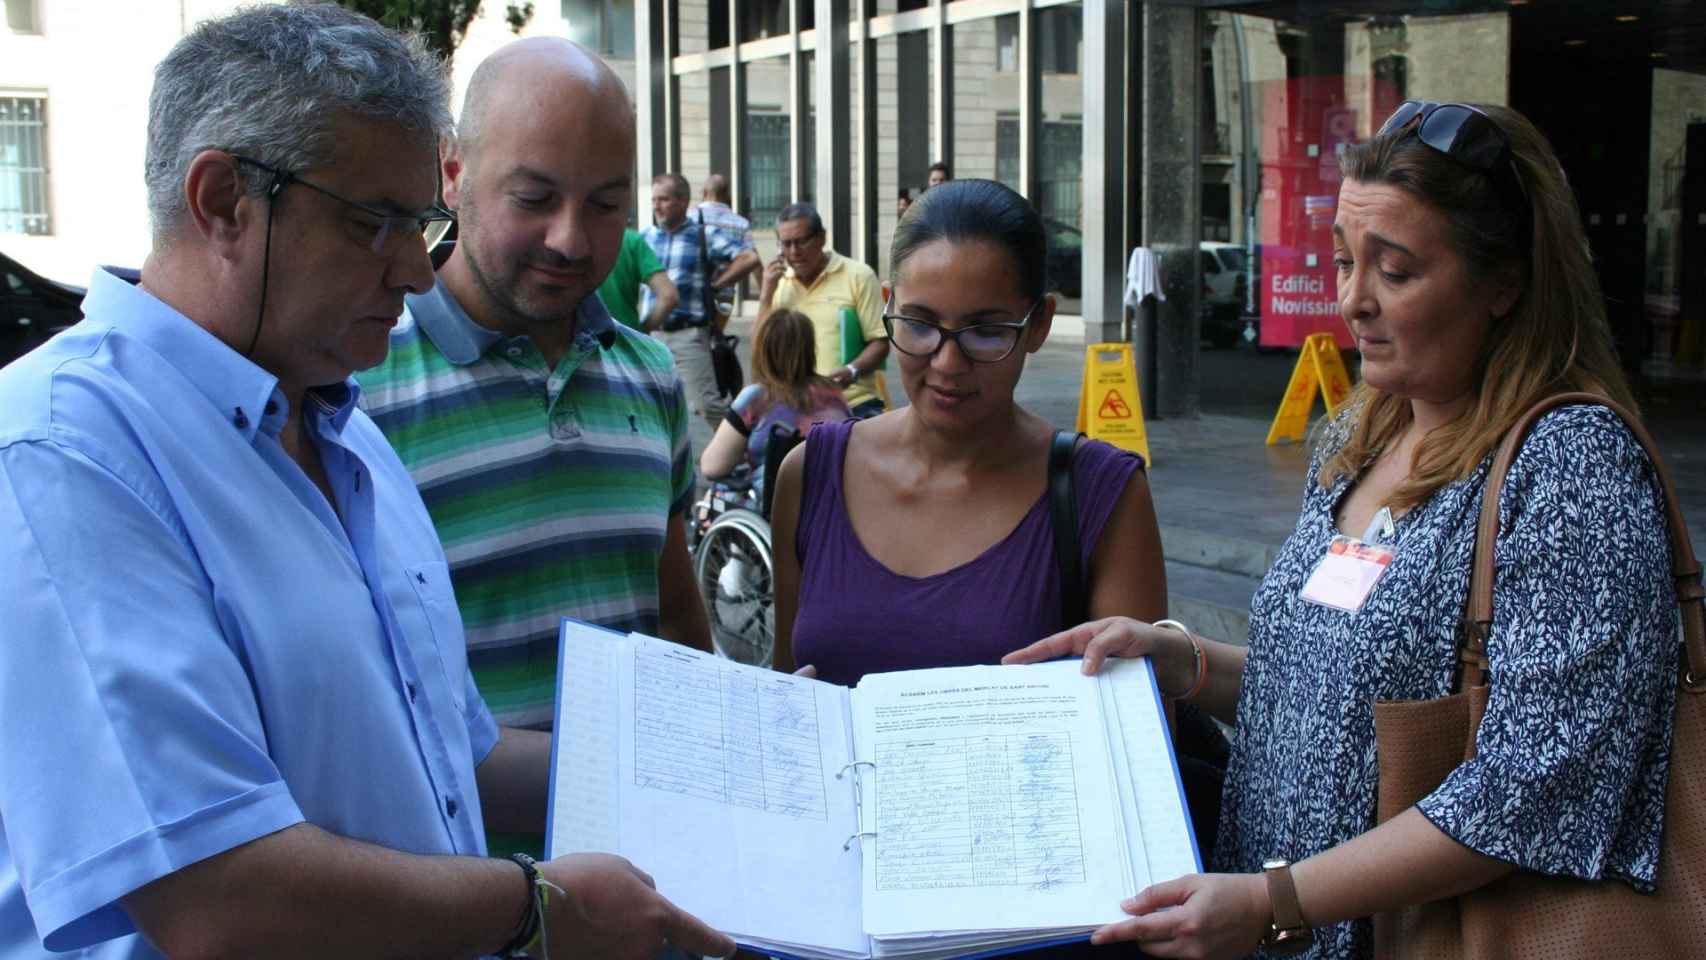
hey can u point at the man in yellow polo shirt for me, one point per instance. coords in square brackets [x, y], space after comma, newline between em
[820, 283]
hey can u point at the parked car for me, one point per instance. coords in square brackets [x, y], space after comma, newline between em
[1224, 286]
[32, 309]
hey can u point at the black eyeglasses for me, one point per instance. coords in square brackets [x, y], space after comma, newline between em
[1466, 135]
[980, 342]
[391, 232]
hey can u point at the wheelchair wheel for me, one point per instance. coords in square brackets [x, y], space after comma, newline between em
[734, 569]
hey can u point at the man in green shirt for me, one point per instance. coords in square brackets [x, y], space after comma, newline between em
[620, 291]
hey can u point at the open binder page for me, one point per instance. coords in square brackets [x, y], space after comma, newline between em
[730, 797]
[991, 800]
[1162, 828]
[584, 798]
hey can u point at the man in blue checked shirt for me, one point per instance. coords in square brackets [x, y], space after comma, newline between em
[677, 236]
[236, 719]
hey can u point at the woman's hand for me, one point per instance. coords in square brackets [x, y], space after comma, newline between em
[1169, 649]
[1205, 915]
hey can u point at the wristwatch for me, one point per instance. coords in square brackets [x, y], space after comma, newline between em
[1287, 933]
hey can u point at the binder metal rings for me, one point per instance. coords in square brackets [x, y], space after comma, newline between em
[851, 766]
[848, 843]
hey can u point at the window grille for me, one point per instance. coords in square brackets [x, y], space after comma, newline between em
[23, 166]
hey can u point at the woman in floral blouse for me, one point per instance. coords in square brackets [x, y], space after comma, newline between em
[1464, 276]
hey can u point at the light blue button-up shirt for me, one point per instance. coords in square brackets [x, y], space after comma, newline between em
[196, 649]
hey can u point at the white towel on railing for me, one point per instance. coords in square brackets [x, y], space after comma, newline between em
[1142, 277]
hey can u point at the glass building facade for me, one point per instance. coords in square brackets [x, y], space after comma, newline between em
[1207, 132]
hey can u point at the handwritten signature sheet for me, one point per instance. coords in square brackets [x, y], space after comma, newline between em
[987, 781]
[730, 771]
[706, 728]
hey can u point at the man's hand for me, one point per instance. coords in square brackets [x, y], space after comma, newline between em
[842, 377]
[612, 911]
[774, 271]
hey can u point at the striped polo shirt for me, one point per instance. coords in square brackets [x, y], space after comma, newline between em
[550, 489]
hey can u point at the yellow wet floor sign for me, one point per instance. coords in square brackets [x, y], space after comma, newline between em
[1109, 407]
[1319, 369]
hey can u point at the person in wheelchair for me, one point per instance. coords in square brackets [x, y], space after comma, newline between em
[925, 537]
[785, 392]
[730, 535]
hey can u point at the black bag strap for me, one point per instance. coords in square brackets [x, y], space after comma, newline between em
[707, 295]
[1074, 606]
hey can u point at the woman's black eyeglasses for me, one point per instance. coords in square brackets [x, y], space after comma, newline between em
[980, 342]
[1466, 135]
[391, 231]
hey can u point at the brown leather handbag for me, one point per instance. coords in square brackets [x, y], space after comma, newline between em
[1524, 914]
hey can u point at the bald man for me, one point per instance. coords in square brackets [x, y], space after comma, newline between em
[549, 443]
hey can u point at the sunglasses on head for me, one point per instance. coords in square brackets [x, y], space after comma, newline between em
[1466, 135]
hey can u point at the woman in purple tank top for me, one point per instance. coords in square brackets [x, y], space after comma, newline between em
[923, 537]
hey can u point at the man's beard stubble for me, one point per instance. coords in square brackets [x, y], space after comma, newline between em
[499, 288]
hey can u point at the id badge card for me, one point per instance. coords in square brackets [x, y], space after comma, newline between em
[1347, 574]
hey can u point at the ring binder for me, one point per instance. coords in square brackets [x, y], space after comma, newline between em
[852, 764]
[848, 844]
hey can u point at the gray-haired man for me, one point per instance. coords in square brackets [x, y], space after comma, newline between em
[702, 254]
[824, 285]
[237, 716]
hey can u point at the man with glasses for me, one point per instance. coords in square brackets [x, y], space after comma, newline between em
[236, 712]
[843, 299]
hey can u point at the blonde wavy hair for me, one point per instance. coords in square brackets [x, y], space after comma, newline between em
[1554, 339]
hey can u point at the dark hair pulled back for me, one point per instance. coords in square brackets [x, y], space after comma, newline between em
[976, 210]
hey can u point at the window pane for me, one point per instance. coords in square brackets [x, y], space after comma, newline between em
[808, 189]
[619, 30]
[1060, 148]
[1007, 150]
[768, 186]
[21, 16]
[984, 94]
[763, 18]
[585, 20]
[1675, 298]
[1060, 37]
[23, 166]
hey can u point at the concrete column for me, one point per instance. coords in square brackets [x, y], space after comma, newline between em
[651, 63]
[1172, 201]
[797, 81]
[834, 123]
[1030, 99]
[1104, 172]
[671, 86]
[869, 248]
[737, 111]
[941, 85]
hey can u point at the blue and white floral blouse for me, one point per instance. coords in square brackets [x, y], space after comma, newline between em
[1574, 749]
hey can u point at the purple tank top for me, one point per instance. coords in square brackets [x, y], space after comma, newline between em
[857, 616]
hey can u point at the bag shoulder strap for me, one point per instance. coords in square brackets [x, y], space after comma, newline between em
[1690, 594]
[704, 252]
[1064, 512]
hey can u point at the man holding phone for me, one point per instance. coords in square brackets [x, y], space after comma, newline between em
[843, 299]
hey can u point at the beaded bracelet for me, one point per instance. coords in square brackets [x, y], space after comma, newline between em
[1198, 652]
